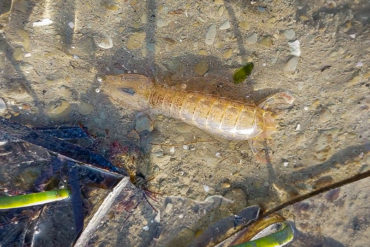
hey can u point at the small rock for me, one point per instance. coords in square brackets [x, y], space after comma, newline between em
[158, 153]
[103, 41]
[211, 35]
[168, 208]
[225, 25]
[201, 68]
[58, 109]
[286, 164]
[332, 195]
[158, 217]
[244, 25]
[18, 54]
[252, 39]
[146, 228]
[43, 22]
[3, 108]
[71, 25]
[185, 147]
[266, 41]
[359, 64]
[172, 150]
[225, 185]
[291, 65]
[143, 123]
[221, 10]
[298, 128]
[206, 188]
[135, 41]
[289, 34]
[261, 9]
[323, 182]
[162, 22]
[228, 53]
[295, 49]
[203, 52]
[218, 155]
[85, 108]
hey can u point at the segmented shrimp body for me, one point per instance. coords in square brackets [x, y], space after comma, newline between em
[227, 118]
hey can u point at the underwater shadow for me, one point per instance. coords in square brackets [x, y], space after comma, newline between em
[19, 21]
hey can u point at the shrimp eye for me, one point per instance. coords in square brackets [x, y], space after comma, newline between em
[128, 90]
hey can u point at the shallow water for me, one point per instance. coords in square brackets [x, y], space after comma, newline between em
[53, 54]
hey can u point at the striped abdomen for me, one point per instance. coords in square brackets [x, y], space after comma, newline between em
[230, 119]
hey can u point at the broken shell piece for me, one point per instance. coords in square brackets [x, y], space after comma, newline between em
[278, 101]
[103, 41]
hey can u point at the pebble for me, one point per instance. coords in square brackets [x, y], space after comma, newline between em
[85, 108]
[206, 188]
[158, 217]
[3, 107]
[289, 34]
[225, 25]
[228, 53]
[261, 9]
[58, 109]
[221, 10]
[244, 25]
[295, 49]
[225, 185]
[158, 153]
[18, 54]
[168, 208]
[185, 147]
[146, 228]
[266, 41]
[143, 123]
[201, 68]
[218, 155]
[43, 22]
[71, 25]
[162, 22]
[135, 41]
[25, 39]
[252, 39]
[172, 150]
[211, 35]
[103, 41]
[359, 64]
[286, 164]
[298, 128]
[291, 65]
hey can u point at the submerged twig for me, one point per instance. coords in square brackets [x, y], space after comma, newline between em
[102, 211]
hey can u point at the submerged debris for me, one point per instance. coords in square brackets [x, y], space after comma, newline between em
[56, 145]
